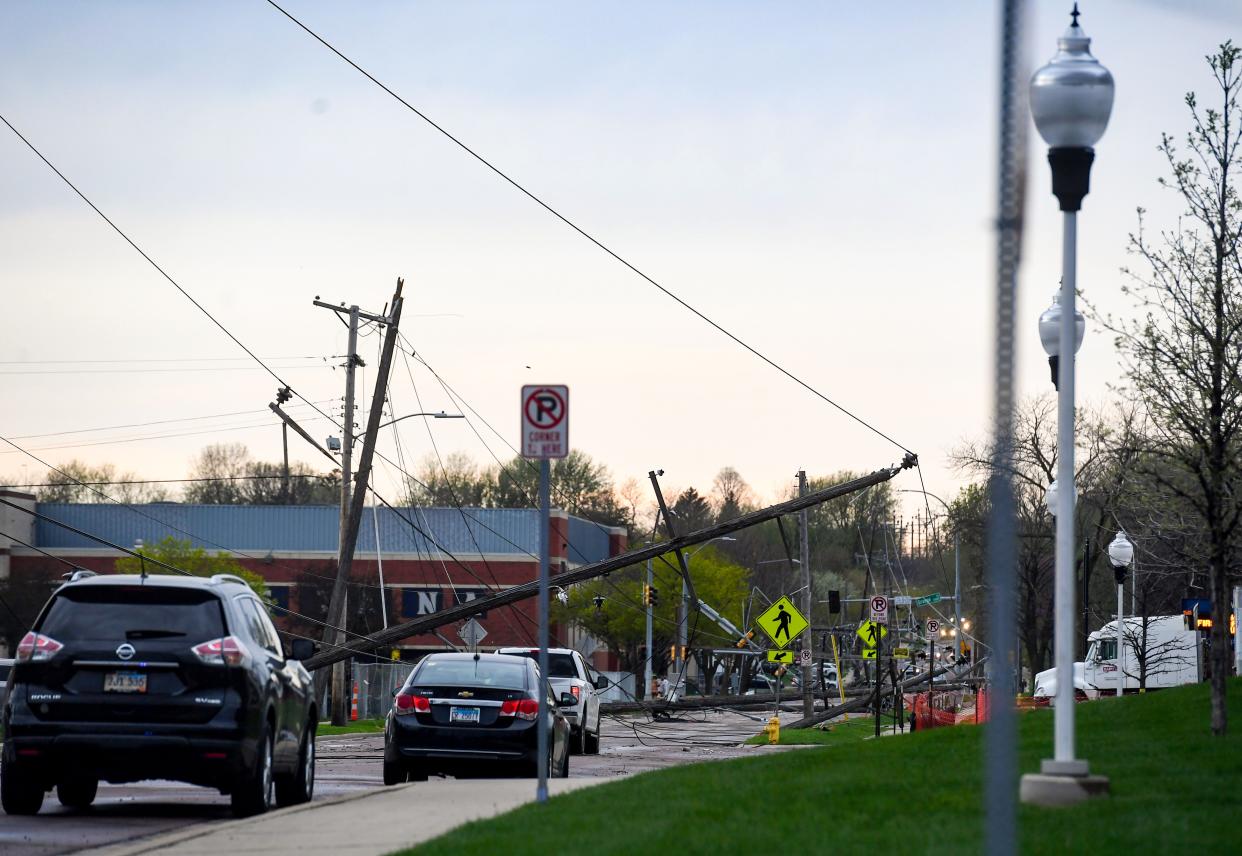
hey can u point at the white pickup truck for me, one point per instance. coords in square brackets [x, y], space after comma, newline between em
[569, 672]
[1171, 658]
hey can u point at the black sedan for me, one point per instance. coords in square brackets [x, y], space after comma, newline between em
[471, 715]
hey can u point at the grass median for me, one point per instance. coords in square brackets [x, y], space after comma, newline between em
[1173, 786]
[362, 726]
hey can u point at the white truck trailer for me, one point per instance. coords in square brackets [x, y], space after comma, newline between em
[1165, 650]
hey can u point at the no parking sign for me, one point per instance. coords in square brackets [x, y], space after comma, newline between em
[545, 421]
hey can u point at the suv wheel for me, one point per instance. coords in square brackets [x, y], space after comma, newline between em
[299, 787]
[19, 793]
[77, 792]
[253, 793]
[577, 740]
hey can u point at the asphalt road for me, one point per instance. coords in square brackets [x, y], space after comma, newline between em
[348, 764]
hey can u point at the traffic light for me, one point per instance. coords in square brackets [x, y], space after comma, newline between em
[834, 602]
[650, 596]
[741, 643]
[672, 652]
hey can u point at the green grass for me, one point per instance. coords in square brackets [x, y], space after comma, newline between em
[856, 728]
[362, 726]
[1174, 787]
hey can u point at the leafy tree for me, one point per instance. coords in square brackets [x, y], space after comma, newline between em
[731, 495]
[184, 555]
[454, 480]
[234, 478]
[77, 481]
[1183, 353]
[692, 511]
[579, 485]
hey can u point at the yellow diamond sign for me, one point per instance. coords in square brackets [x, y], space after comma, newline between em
[871, 633]
[782, 622]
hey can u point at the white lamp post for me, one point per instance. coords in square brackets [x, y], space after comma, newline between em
[1071, 99]
[1121, 554]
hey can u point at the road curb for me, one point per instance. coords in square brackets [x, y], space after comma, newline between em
[160, 840]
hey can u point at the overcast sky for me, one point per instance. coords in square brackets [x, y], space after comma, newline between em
[816, 177]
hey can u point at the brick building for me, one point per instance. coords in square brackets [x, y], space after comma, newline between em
[430, 559]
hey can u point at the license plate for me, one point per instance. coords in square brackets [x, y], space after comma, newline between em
[125, 682]
[463, 714]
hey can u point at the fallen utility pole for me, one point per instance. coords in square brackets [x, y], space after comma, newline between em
[461, 612]
[863, 702]
[354, 485]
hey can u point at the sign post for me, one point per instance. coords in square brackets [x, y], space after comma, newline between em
[545, 434]
[933, 627]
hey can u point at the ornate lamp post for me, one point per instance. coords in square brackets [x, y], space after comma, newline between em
[1071, 99]
[1121, 554]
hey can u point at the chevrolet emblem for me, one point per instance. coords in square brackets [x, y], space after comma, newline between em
[465, 694]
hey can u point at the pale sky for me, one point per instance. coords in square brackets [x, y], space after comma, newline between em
[818, 178]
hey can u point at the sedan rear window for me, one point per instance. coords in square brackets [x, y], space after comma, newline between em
[471, 673]
[110, 613]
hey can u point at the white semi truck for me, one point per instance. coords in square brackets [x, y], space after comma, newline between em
[1166, 651]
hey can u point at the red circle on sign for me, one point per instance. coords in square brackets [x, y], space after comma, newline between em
[544, 408]
[879, 603]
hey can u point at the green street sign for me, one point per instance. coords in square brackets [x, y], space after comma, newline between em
[927, 599]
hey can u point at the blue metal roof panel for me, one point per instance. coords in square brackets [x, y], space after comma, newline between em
[312, 528]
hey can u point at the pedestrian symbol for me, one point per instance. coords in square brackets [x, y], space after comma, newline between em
[781, 657]
[871, 633]
[782, 622]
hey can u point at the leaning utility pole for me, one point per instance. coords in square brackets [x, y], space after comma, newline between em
[354, 486]
[804, 555]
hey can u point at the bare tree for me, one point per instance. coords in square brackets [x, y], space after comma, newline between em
[1183, 352]
[77, 481]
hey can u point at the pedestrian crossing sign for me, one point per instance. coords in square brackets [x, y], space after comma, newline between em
[872, 633]
[782, 622]
[786, 657]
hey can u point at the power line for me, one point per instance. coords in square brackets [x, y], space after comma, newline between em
[264, 411]
[150, 360]
[181, 370]
[121, 440]
[571, 224]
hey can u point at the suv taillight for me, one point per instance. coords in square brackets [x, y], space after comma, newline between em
[577, 691]
[407, 703]
[226, 651]
[37, 648]
[525, 708]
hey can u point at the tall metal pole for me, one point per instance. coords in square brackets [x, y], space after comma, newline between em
[649, 672]
[1121, 650]
[545, 523]
[1237, 630]
[340, 704]
[1063, 742]
[683, 629]
[804, 555]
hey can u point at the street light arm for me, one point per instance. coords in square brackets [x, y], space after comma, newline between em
[439, 414]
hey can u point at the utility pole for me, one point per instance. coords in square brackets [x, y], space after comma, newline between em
[649, 672]
[957, 595]
[354, 487]
[804, 555]
[283, 395]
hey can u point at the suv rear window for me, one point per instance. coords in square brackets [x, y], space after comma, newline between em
[559, 665]
[471, 673]
[109, 613]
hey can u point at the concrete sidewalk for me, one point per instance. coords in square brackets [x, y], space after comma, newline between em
[372, 823]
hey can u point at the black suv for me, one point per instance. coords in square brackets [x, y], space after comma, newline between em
[126, 678]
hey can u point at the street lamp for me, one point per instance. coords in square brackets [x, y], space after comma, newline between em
[1121, 554]
[1071, 99]
[1050, 334]
[439, 414]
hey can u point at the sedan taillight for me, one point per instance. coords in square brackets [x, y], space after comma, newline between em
[37, 648]
[226, 651]
[524, 708]
[407, 703]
